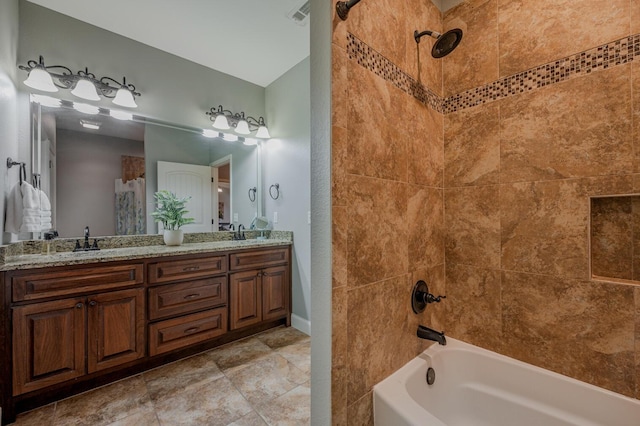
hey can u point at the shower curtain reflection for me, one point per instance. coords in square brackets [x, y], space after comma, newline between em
[130, 211]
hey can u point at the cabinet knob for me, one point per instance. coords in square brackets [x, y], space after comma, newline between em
[93, 303]
[79, 305]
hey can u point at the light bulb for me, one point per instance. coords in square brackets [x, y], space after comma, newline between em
[86, 90]
[242, 127]
[121, 115]
[263, 133]
[85, 108]
[125, 98]
[229, 137]
[93, 125]
[208, 133]
[221, 122]
[40, 79]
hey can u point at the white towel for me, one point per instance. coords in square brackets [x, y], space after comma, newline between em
[24, 211]
[13, 219]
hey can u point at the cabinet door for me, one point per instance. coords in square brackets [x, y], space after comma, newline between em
[115, 328]
[246, 299]
[48, 343]
[275, 292]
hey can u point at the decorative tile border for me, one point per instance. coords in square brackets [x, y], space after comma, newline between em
[372, 60]
[617, 52]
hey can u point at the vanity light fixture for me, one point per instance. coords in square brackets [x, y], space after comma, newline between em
[224, 119]
[93, 125]
[86, 108]
[84, 84]
[46, 101]
[121, 115]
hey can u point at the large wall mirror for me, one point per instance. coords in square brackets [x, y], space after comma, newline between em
[101, 172]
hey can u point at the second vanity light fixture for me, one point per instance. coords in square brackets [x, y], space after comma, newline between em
[224, 119]
[83, 84]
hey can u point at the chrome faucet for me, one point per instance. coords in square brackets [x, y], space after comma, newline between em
[240, 234]
[429, 334]
[86, 238]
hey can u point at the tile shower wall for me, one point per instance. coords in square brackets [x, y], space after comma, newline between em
[518, 174]
[387, 195]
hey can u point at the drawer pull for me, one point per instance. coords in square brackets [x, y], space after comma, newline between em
[190, 268]
[93, 303]
[191, 296]
[191, 330]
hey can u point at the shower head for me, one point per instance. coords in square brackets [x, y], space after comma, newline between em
[445, 43]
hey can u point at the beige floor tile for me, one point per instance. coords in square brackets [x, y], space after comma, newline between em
[239, 353]
[251, 419]
[104, 405]
[212, 403]
[175, 377]
[266, 378]
[298, 354]
[38, 417]
[292, 408]
[282, 336]
[145, 416]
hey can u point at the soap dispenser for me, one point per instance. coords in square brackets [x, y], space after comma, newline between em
[49, 244]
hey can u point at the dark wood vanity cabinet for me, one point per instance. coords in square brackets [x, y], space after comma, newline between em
[72, 327]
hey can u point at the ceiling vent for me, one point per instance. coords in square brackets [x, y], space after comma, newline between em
[300, 14]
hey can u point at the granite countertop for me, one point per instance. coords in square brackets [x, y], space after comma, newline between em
[30, 261]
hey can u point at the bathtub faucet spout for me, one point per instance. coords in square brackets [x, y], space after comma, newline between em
[429, 334]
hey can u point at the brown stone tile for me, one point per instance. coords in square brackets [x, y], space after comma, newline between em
[340, 29]
[377, 145]
[298, 354]
[635, 234]
[360, 413]
[472, 146]
[544, 225]
[422, 16]
[577, 328]
[577, 128]
[635, 17]
[38, 417]
[475, 60]
[217, 403]
[339, 246]
[339, 327]
[425, 220]
[534, 33]
[280, 337]
[635, 90]
[177, 376]
[474, 309]
[423, 132]
[339, 86]
[382, 333]
[104, 405]
[339, 166]
[382, 25]
[266, 378]
[146, 416]
[251, 419]
[377, 230]
[611, 237]
[239, 353]
[472, 218]
[291, 409]
[338, 395]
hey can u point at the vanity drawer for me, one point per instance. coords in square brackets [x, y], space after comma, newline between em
[174, 270]
[34, 286]
[176, 333]
[258, 258]
[175, 299]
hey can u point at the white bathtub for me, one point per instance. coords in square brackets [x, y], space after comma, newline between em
[476, 387]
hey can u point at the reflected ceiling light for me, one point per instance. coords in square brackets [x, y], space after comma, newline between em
[224, 119]
[121, 115]
[46, 101]
[250, 141]
[86, 108]
[93, 125]
[82, 84]
[219, 189]
[229, 137]
[86, 90]
[208, 133]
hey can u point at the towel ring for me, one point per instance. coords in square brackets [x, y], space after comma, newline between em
[252, 191]
[277, 191]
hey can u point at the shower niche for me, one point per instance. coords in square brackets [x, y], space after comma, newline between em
[615, 238]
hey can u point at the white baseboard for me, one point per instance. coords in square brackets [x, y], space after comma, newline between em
[301, 324]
